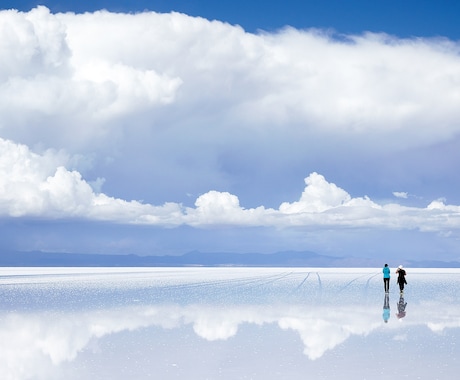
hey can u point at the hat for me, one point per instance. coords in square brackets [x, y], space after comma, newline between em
[400, 267]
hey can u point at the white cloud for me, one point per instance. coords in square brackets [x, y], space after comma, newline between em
[109, 65]
[48, 96]
[32, 43]
[188, 97]
[39, 185]
[318, 196]
[214, 208]
[400, 194]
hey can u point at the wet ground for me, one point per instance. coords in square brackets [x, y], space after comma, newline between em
[227, 323]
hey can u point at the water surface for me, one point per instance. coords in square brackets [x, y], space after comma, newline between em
[227, 323]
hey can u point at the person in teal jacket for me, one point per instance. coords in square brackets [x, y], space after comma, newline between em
[386, 278]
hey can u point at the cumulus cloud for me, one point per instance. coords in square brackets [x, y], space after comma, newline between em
[45, 90]
[102, 65]
[194, 101]
[319, 195]
[39, 185]
[400, 194]
[32, 43]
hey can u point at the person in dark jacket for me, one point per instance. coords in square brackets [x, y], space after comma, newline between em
[386, 278]
[401, 278]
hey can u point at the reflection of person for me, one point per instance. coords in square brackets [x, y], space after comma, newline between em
[401, 277]
[386, 278]
[386, 308]
[401, 307]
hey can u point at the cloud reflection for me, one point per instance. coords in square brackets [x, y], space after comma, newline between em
[33, 343]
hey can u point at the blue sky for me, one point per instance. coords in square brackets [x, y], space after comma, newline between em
[231, 126]
[403, 18]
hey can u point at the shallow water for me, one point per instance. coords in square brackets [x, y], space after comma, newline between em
[227, 323]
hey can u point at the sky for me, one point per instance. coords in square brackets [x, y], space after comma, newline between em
[163, 127]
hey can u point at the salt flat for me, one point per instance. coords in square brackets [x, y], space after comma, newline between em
[227, 323]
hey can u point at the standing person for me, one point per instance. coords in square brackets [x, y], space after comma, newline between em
[386, 278]
[401, 278]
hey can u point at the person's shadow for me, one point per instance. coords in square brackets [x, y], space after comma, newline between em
[401, 307]
[386, 308]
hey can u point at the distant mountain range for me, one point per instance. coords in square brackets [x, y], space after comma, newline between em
[196, 258]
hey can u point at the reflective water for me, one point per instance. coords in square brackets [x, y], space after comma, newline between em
[227, 323]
